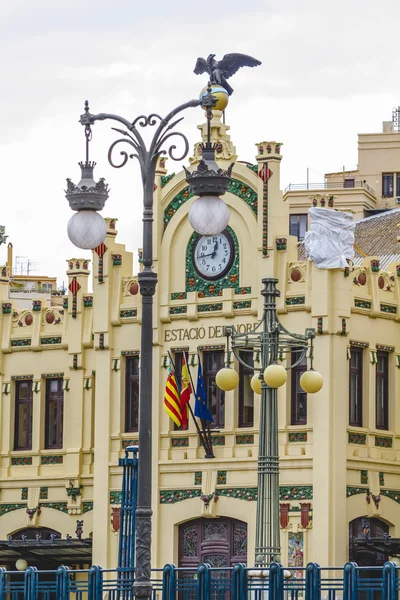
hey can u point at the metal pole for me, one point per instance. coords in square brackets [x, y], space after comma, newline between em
[267, 547]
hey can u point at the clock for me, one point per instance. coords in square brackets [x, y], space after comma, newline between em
[213, 255]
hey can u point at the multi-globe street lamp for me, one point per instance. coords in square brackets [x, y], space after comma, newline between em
[208, 215]
[272, 341]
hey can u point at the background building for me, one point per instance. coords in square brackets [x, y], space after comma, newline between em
[70, 378]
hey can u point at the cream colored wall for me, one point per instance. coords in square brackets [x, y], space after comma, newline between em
[91, 358]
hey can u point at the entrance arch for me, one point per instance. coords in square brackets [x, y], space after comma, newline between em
[364, 527]
[220, 542]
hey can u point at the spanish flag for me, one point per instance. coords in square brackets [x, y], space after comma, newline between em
[186, 391]
[172, 399]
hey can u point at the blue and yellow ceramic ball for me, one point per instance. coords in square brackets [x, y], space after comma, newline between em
[220, 93]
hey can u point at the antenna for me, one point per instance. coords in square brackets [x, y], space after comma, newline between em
[24, 265]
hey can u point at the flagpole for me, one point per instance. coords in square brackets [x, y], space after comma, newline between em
[202, 440]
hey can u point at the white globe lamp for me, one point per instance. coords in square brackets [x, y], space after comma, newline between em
[311, 381]
[87, 229]
[227, 379]
[255, 384]
[21, 564]
[275, 375]
[209, 215]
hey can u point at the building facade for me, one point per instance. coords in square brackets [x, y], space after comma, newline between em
[70, 377]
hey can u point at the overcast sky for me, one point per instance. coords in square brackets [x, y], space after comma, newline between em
[330, 71]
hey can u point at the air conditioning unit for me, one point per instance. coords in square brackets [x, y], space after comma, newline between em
[397, 199]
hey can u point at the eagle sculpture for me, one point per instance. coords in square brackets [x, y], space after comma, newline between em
[220, 70]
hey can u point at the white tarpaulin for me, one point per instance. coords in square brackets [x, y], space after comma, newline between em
[330, 239]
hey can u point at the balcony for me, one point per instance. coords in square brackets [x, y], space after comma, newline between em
[329, 185]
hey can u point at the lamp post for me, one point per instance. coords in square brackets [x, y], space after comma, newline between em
[86, 229]
[271, 340]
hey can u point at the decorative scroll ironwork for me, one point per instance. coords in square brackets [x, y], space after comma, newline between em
[190, 541]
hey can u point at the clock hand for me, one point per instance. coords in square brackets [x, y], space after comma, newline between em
[204, 255]
[215, 250]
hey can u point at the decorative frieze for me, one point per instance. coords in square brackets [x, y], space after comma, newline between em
[241, 305]
[180, 442]
[21, 461]
[354, 491]
[382, 348]
[297, 436]
[249, 494]
[201, 308]
[128, 313]
[50, 341]
[381, 479]
[61, 506]
[218, 440]
[301, 492]
[212, 347]
[52, 375]
[6, 508]
[44, 493]
[130, 352]
[20, 343]
[178, 310]
[24, 493]
[221, 477]
[392, 494]
[115, 497]
[179, 296]
[295, 301]
[356, 344]
[21, 377]
[245, 438]
[364, 477]
[166, 178]
[320, 326]
[357, 438]
[57, 459]
[126, 443]
[389, 309]
[198, 478]
[73, 492]
[359, 303]
[65, 303]
[173, 496]
[383, 442]
[87, 507]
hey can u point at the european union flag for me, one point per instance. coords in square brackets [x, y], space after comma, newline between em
[200, 405]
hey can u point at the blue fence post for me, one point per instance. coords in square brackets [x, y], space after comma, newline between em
[126, 549]
[389, 581]
[276, 582]
[349, 581]
[62, 583]
[168, 591]
[2, 583]
[238, 582]
[313, 582]
[203, 584]
[31, 583]
[95, 587]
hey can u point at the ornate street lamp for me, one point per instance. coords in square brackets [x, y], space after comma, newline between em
[271, 340]
[87, 229]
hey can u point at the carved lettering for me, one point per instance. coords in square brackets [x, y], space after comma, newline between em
[199, 333]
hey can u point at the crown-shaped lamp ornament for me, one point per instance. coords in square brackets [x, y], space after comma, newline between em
[86, 228]
[209, 214]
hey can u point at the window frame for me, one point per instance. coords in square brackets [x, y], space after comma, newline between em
[60, 415]
[130, 380]
[356, 373]
[243, 373]
[385, 177]
[295, 390]
[29, 404]
[349, 182]
[382, 375]
[300, 217]
[209, 382]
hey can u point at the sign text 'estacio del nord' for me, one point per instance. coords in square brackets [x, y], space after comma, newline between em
[200, 333]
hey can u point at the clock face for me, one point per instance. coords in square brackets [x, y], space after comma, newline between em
[213, 255]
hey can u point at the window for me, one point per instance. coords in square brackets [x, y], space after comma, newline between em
[355, 387]
[246, 394]
[387, 185]
[54, 414]
[398, 184]
[178, 358]
[349, 183]
[214, 361]
[298, 396]
[382, 390]
[132, 394]
[23, 416]
[298, 226]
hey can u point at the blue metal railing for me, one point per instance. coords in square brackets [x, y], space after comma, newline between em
[206, 583]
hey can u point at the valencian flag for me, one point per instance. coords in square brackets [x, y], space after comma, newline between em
[172, 405]
[200, 406]
[186, 391]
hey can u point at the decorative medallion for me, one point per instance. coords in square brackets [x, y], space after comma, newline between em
[6, 308]
[180, 442]
[297, 436]
[246, 438]
[295, 301]
[50, 318]
[383, 442]
[221, 477]
[28, 319]
[357, 438]
[52, 460]
[128, 313]
[21, 461]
